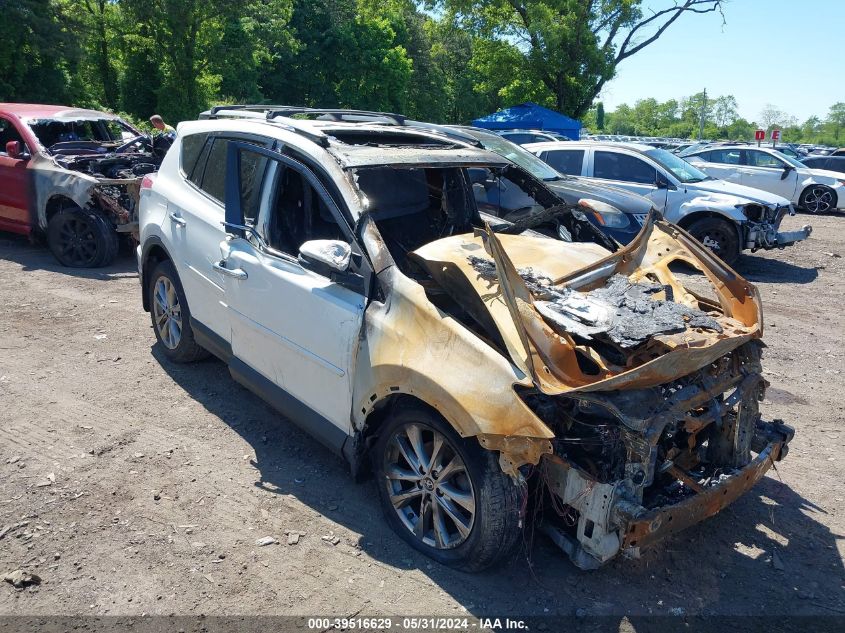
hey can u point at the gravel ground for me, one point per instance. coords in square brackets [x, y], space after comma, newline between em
[136, 486]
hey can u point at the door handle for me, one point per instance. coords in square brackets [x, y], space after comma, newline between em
[177, 220]
[237, 273]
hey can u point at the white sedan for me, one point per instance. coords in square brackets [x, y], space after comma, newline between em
[813, 190]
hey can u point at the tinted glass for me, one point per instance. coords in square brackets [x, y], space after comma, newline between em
[521, 139]
[9, 132]
[196, 175]
[191, 148]
[214, 177]
[623, 167]
[762, 159]
[725, 156]
[253, 167]
[566, 161]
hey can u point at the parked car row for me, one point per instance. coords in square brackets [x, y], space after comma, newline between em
[727, 217]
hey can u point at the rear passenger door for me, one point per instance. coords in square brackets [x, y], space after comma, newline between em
[14, 181]
[294, 331]
[195, 220]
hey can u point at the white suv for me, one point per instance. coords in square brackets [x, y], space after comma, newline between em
[812, 190]
[340, 267]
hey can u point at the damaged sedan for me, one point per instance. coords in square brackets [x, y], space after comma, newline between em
[71, 177]
[484, 371]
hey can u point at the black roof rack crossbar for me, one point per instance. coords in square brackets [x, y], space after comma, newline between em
[336, 114]
[258, 107]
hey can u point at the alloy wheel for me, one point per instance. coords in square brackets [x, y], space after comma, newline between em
[429, 486]
[77, 242]
[167, 313]
[818, 200]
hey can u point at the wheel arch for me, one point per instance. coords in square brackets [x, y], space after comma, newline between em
[152, 254]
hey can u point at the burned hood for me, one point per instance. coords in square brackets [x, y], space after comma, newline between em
[573, 316]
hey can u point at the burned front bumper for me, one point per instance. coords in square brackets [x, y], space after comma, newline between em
[608, 521]
[761, 230]
[643, 528]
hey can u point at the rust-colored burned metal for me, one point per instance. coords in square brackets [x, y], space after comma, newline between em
[647, 529]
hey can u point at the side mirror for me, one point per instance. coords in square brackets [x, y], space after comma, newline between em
[325, 257]
[13, 149]
[786, 171]
[661, 182]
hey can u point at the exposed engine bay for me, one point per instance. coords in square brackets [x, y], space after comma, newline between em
[649, 386]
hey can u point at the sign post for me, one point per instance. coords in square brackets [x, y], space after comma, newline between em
[759, 136]
[775, 137]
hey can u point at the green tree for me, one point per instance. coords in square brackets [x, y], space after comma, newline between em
[836, 118]
[571, 47]
[600, 115]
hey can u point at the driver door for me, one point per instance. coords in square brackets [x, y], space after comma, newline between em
[767, 172]
[14, 181]
[294, 331]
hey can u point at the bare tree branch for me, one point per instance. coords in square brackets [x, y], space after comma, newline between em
[689, 6]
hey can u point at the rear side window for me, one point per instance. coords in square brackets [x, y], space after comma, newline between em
[191, 148]
[614, 166]
[566, 161]
[725, 156]
[762, 159]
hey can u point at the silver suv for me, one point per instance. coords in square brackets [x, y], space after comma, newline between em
[727, 217]
[344, 273]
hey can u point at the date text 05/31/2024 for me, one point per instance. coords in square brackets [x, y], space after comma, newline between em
[416, 624]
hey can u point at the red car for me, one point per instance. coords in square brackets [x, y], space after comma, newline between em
[72, 177]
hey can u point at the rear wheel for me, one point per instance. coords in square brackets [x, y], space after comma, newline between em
[444, 495]
[719, 236]
[81, 238]
[171, 316]
[818, 199]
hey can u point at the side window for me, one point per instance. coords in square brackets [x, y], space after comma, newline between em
[615, 166]
[192, 146]
[8, 132]
[725, 156]
[521, 138]
[296, 211]
[214, 175]
[253, 168]
[762, 159]
[566, 161]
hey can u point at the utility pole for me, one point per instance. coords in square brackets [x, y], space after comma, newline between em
[701, 116]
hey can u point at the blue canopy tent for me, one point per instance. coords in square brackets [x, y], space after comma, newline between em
[530, 116]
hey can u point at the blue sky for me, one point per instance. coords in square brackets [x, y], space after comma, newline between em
[784, 52]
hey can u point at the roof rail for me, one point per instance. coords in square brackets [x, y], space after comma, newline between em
[257, 107]
[337, 114]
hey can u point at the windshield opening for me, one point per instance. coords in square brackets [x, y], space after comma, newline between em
[412, 206]
[680, 168]
[51, 133]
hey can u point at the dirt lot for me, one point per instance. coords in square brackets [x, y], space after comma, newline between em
[145, 485]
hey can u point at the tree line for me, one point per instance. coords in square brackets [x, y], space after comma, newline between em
[681, 118]
[437, 60]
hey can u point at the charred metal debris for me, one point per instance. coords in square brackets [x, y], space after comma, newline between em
[624, 311]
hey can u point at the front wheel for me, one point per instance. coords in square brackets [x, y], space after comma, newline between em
[81, 238]
[818, 199]
[720, 236]
[444, 495]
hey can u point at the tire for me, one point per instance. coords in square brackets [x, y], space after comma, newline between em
[817, 199]
[171, 316]
[719, 236]
[490, 531]
[82, 238]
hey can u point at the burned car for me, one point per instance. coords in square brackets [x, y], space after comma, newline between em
[72, 176]
[477, 367]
